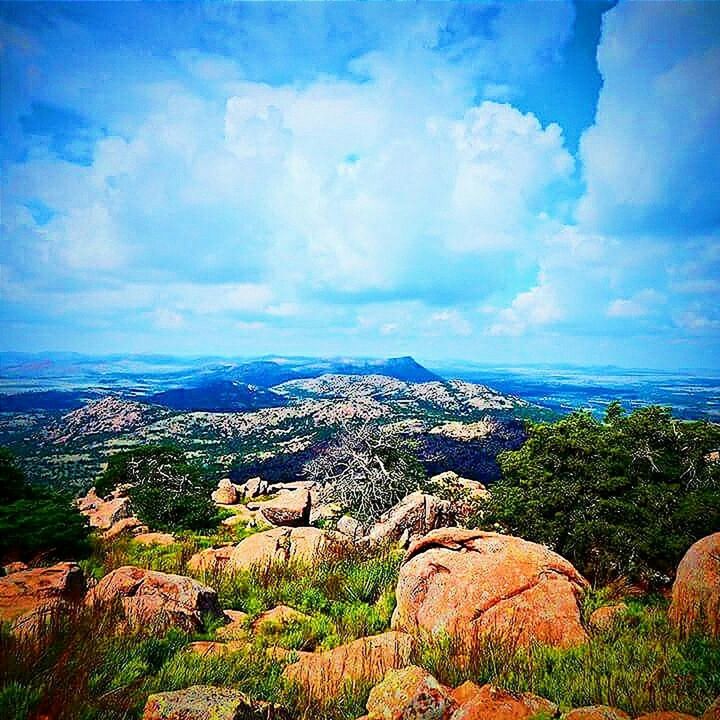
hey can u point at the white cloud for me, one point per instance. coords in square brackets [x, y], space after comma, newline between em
[639, 305]
[535, 308]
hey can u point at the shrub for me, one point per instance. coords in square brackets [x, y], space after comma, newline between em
[626, 495]
[37, 521]
[167, 491]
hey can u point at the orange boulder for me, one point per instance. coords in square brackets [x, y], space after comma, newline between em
[491, 703]
[25, 591]
[322, 675]
[596, 712]
[469, 583]
[695, 602]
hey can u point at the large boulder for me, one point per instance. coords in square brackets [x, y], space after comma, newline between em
[287, 509]
[605, 617]
[211, 560]
[125, 527]
[470, 583]
[149, 597]
[254, 487]
[415, 515]
[208, 702]
[226, 493]
[25, 591]
[695, 605]
[410, 694]
[492, 703]
[322, 675]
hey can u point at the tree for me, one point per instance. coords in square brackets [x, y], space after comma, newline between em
[167, 491]
[623, 496]
[366, 470]
[37, 521]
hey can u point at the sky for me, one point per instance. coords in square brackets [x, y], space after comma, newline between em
[500, 183]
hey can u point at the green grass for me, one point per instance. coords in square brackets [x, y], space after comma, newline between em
[88, 672]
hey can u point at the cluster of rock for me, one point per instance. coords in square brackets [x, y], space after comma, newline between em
[112, 516]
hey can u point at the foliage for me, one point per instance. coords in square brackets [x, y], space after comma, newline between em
[366, 471]
[626, 495]
[37, 521]
[167, 491]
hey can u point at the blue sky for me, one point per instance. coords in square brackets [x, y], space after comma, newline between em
[493, 182]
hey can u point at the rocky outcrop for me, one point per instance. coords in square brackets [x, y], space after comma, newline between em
[695, 605]
[666, 715]
[254, 487]
[290, 509]
[208, 702]
[411, 694]
[211, 560]
[226, 493]
[470, 583]
[415, 515]
[366, 660]
[351, 527]
[157, 599]
[26, 591]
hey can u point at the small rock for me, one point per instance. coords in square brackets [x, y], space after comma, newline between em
[596, 712]
[411, 694]
[606, 616]
[278, 617]
[254, 487]
[290, 509]
[154, 538]
[236, 629]
[207, 702]
[126, 526]
[226, 493]
[491, 703]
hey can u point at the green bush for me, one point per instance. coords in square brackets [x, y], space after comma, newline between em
[626, 495]
[37, 521]
[168, 492]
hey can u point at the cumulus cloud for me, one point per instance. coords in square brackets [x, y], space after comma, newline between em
[529, 310]
[648, 161]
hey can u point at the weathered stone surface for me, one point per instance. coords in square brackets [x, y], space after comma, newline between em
[254, 487]
[236, 629]
[286, 544]
[211, 560]
[325, 511]
[207, 702]
[25, 591]
[322, 675]
[713, 712]
[596, 712]
[149, 597]
[14, 567]
[470, 583]
[278, 617]
[290, 509]
[415, 515]
[226, 493]
[695, 605]
[154, 538]
[351, 527]
[491, 703]
[103, 514]
[666, 715]
[410, 693]
[606, 616]
[126, 526]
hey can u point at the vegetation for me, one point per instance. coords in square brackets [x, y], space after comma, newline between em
[366, 471]
[36, 522]
[626, 495]
[167, 490]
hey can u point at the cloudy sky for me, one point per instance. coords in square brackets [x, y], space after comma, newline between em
[501, 183]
